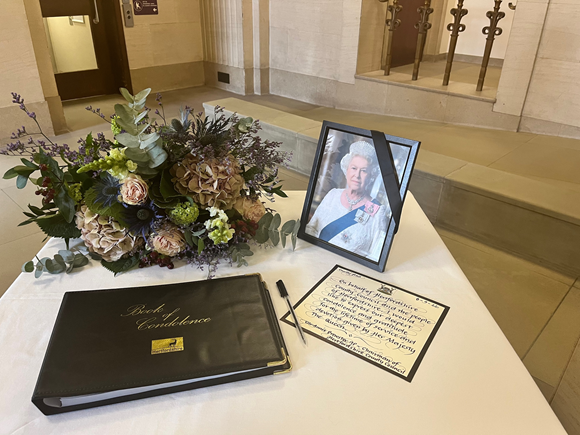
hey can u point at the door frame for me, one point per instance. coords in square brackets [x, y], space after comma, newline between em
[117, 61]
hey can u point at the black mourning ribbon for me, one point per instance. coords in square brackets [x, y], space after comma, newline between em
[389, 173]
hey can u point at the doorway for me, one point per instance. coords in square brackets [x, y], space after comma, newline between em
[405, 37]
[87, 47]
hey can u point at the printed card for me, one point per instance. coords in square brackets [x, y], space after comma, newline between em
[380, 323]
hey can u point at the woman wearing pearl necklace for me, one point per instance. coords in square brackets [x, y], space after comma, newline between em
[349, 218]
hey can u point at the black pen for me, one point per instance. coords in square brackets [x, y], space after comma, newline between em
[284, 294]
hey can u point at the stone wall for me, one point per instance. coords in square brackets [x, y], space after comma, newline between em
[315, 38]
[19, 71]
[552, 105]
[165, 51]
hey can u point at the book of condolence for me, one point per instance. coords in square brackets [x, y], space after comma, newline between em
[116, 345]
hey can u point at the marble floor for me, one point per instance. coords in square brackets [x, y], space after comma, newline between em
[537, 308]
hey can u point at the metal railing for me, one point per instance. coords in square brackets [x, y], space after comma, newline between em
[392, 22]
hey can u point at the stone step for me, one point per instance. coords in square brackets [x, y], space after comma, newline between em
[535, 220]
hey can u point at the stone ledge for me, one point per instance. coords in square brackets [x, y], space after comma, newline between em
[533, 219]
[433, 86]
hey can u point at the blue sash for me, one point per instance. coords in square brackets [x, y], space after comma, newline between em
[339, 225]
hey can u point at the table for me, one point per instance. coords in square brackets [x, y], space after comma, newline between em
[470, 382]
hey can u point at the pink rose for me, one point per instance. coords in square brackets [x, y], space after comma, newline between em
[134, 190]
[252, 210]
[168, 240]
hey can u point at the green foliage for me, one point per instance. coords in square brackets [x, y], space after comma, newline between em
[55, 225]
[193, 238]
[159, 200]
[268, 230]
[115, 211]
[145, 149]
[64, 261]
[21, 173]
[65, 204]
[121, 265]
[244, 124]
[239, 251]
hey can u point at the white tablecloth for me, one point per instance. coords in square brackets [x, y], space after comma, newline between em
[470, 382]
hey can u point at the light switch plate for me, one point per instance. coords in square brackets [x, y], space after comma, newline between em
[128, 13]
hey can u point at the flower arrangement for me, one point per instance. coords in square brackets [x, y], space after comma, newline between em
[190, 189]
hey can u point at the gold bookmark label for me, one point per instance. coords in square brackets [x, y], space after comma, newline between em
[166, 345]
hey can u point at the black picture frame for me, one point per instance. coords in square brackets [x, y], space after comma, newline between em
[387, 189]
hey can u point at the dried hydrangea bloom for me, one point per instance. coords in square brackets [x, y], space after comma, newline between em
[103, 235]
[215, 182]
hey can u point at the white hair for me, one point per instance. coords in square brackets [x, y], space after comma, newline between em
[363, 149]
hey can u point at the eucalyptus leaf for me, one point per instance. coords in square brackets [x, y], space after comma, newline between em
[66, 255]
[246, 252]
[80, 260]
[262, 235]
[21, 181]
[157, 143]
[127, 140]
[287, 227]
[293, 238]
[58, 258]
[296, 228]
[265, 220]
[274, 237]
[158, 155]
[48, 264]
[142, 115]
[141, 128]
[38, 270]
[28, 267]
[127, 95]
[129, 127]
[200, 246]
[143, 94]
[124, 113]
[57, 268]
[276, 220]
[283, 239]
[138, 105]
[137, 155]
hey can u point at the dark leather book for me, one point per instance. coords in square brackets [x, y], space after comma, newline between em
[112, 346]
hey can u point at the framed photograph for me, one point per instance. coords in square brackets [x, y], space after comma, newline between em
[358, 184]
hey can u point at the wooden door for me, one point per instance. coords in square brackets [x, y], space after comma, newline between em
[87, 46]
[405, 37]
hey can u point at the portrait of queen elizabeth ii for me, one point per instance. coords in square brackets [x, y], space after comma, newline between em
[353, 217]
